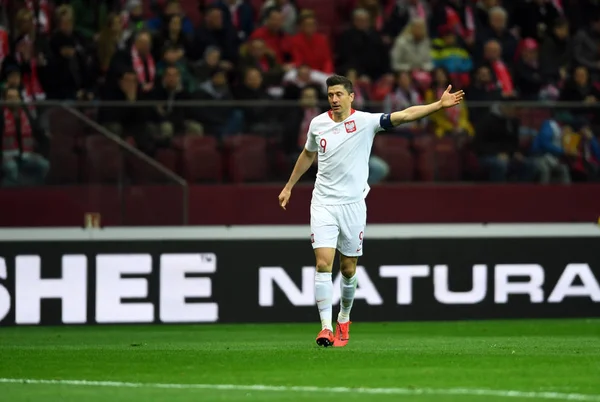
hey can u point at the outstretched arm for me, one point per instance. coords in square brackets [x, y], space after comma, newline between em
[418, 112]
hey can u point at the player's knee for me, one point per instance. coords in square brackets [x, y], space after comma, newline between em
[323, 265]
[348, 267]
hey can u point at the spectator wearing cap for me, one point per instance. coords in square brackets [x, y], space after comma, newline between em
[412, 48]
[549, 153]
[527, 71]
[213, 32]
[556, 53]
[497, 145]
[71, 75]
[447, 53]
[310, 47]
[172, 7]
[238, 15]
[586, 51]
[20, 140]
[277, 40]
[170, 118]
[360, 47]
[497, 29]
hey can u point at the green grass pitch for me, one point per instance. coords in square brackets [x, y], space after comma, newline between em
[487, 361]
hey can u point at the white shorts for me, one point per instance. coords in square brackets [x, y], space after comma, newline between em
[339, 226]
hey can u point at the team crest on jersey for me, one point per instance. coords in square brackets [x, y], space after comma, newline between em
[350, 126]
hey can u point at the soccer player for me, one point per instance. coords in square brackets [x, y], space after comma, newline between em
[342, 138]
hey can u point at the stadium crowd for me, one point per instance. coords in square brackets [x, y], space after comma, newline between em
[398, 53]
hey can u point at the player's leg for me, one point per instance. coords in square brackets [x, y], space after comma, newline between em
[324, 239]
[352, 231]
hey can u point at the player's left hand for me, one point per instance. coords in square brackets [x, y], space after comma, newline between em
[448, 100]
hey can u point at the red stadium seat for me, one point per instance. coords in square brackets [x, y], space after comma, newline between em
[200, 158]
[102, 159]
[245, 158]
[395, 151]
[426, 165]
[141, 172]
[64, 166]
[447, 160]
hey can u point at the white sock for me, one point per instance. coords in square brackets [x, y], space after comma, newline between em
[324, 298]
[348, 288]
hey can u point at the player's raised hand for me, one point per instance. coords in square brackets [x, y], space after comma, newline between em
[448, 100]
[284, 197]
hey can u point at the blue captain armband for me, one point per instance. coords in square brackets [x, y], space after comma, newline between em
[385, 121]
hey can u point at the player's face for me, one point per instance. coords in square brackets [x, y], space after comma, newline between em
[339, 99]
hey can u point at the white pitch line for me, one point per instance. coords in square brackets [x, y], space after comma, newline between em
[307, 389]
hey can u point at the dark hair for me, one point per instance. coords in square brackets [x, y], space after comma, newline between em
[340, 80]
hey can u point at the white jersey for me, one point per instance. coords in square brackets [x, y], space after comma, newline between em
[343, 151]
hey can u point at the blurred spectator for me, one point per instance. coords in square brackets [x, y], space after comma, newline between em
[110, 40]
[238, 15]
[412, 49]
[402, 13]
[278, 42]
[129, 120]
[492, 58]
[33, 69]
[402, 96]
[172, 7]
[547, 148]
[452, 121]
[483, 88]
[223, 120]
[527, 71]
[132, 19]
[173, 36]
[171, 58]
[210, 61]
[172, 119]
[214, 33]
[449, 54]
[361, 48]
[458, 17]
[497, 145]
[497, 29]
[580, 88]
[20, 137]
[296, 80]
[310, 47]
[375, 10]
[255, 55]
[257, 119]
[581, 142]
[556, 53]
[139, 59]
[361, 90]
[534, 18]
[586, 47]
[482, 14]
[71, 75]
[4, 44]
[298, 120]
[288, 11]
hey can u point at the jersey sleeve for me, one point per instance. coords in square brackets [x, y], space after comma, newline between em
[376, 121]
[311, 140]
